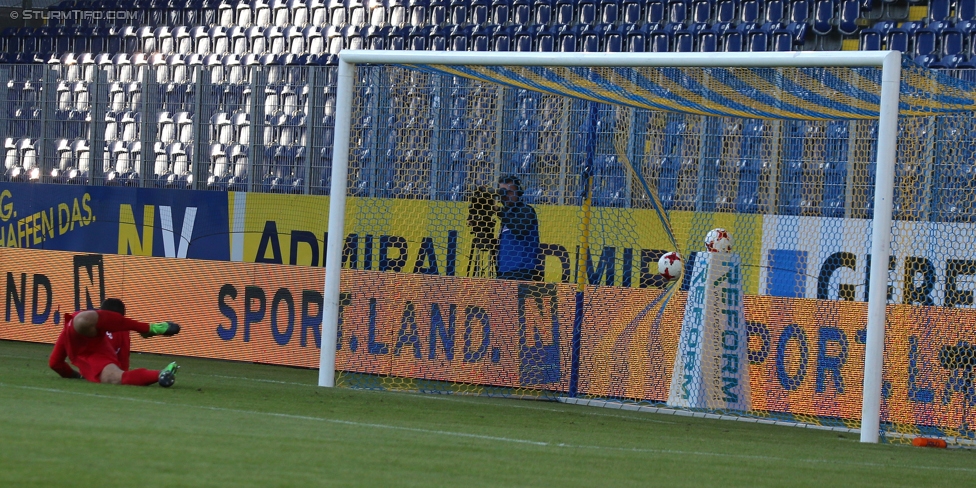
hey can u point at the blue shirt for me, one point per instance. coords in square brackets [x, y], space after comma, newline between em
[518, 241]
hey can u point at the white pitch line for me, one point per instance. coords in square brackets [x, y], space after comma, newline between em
[510, 440]
[450, 398]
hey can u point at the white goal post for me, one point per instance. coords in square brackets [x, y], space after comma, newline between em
[888, 61]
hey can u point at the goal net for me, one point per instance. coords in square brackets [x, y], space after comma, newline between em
[499, 223]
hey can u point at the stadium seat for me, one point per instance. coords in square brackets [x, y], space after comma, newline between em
[679, 11]
[732, 41]
[964, 11]
[565, 12]
[610, 12]
[749, 11]
[632, 12]
[850, 11]
[951, 61]
[659, 42]
[775, 12]
[614, 38]
[757, 41]
[897, 40]
[925, 43]
[458, 12]
[823, 13]
[952, 42]
[725, 11]
[524, 38]
[654, 11]
[870, 40]
[501, 39]
[779, 39]
[236, 40]
[940, 9]
[397, 38]
[521, 13]
[683, 41]
[261, 14]
[318, 11]
[707, 41]
[437, 14]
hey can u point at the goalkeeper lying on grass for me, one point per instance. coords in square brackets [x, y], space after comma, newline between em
[97, 343]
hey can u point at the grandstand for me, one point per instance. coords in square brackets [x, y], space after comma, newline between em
[177, 108]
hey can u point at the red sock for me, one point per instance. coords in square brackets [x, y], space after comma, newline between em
[140, 377]
[109, 321]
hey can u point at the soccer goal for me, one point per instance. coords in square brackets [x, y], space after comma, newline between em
[496, 221]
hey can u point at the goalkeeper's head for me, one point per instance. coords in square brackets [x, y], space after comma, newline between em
[114, 305]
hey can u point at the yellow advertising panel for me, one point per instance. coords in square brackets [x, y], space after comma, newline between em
[433, 237]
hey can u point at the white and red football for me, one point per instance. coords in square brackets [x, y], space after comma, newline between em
[718, 240]
[670, 266]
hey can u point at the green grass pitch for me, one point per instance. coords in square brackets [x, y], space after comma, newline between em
[234, 424]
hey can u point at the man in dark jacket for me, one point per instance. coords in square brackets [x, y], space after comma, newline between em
[519, 253]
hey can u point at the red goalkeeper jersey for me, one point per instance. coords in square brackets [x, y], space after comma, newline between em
[89, 354]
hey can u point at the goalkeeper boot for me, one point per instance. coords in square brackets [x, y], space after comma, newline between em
[163, 329]
[167, 376]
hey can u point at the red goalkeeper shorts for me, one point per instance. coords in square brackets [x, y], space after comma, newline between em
[91, 354]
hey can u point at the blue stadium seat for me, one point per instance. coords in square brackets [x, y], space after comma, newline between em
[757, 41]
[925, 42]
[725, 11]
[897, 40]
[521, 13]
[654, 11]
[659, 42]
[460, 36]
[609, 11]
[678, 11]
[586, 12]
[732, 41]
[965, 11]
[870, 40]
[749, 11]
[798, 20]
[779, 39]
[850, 11]
[940, 9]
[614, 38]
[547, 39]
[950, 61]
[541, 11]
[592, 39]
[500, 10]
[823, 14]
[913, 26]
[633, 12]
[481, 37]
[683, 41]
[479, 11]
[701, 11]
[775, 12]
[952, 42]
[568, 40]
[707, 41]
[437, 14]
[458, 12]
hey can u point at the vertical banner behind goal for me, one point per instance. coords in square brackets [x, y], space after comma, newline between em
[711, 369]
